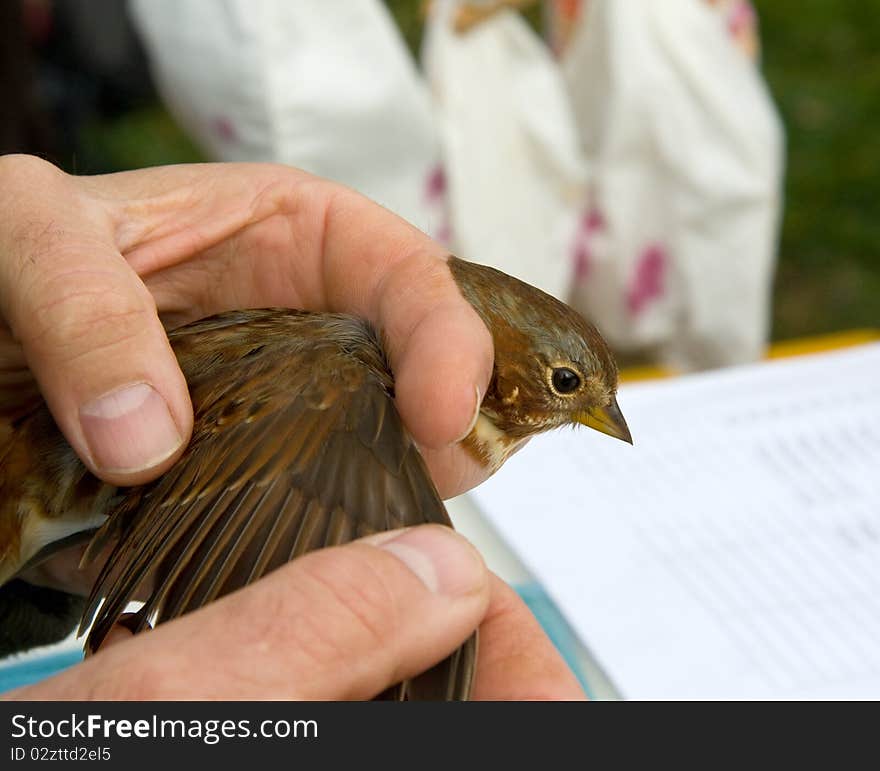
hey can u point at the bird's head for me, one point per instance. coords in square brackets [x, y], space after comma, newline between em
[552, 367]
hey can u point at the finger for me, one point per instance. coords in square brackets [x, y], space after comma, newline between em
[64, 571]
[340, 623]
[89, 330]
[123, 630]
[258, 235]
[440, 351]
[454, 470]
[517, 661]
[61, 572]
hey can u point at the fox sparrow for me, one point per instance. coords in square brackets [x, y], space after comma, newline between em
[296, 446]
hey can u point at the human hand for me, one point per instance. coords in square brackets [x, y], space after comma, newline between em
[89, 265]
[340, 623]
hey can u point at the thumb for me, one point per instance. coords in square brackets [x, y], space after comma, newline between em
[90, 333]
[340, 623]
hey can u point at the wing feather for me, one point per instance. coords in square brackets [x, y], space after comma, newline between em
[297, 446]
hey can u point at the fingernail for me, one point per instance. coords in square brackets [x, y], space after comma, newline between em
[445, 562]
[130, 429]
[474, 417]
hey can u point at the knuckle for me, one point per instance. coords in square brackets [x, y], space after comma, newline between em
[82, 310]
[330, 611]
[16, 165]
[362, 593]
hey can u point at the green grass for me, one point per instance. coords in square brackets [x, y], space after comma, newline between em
[822, 62]
[140, 138]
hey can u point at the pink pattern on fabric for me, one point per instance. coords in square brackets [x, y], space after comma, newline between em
[741, 18]
[444, 233]
[594, 221]
[435, 195]
[647, 283]
[224, 128]
[582, 262]
[590, 224]
[435, 184]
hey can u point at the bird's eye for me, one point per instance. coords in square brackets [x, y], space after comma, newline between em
[565, 380]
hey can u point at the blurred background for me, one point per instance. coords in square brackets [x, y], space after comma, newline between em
[476, 134]
[79, 92]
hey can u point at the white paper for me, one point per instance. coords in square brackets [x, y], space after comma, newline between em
[734, 550]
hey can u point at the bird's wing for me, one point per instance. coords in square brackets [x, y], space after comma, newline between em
[298, 450]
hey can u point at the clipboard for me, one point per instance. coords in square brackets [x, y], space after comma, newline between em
[470, 518]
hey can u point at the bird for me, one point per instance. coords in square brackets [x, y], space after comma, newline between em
[296, 446]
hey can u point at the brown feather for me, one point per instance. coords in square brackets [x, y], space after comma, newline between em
[296, 446]
[314, 456]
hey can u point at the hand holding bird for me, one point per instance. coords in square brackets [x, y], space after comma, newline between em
[303, 398]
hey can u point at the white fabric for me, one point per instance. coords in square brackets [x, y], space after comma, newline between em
[514, 170]
[648, 168]
[324, 85]
[685, 152]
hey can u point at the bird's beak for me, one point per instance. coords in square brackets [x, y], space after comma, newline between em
[609, 420]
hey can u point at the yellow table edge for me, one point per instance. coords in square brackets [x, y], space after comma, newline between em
[777, 350]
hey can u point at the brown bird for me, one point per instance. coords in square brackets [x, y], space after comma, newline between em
[296, 446]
